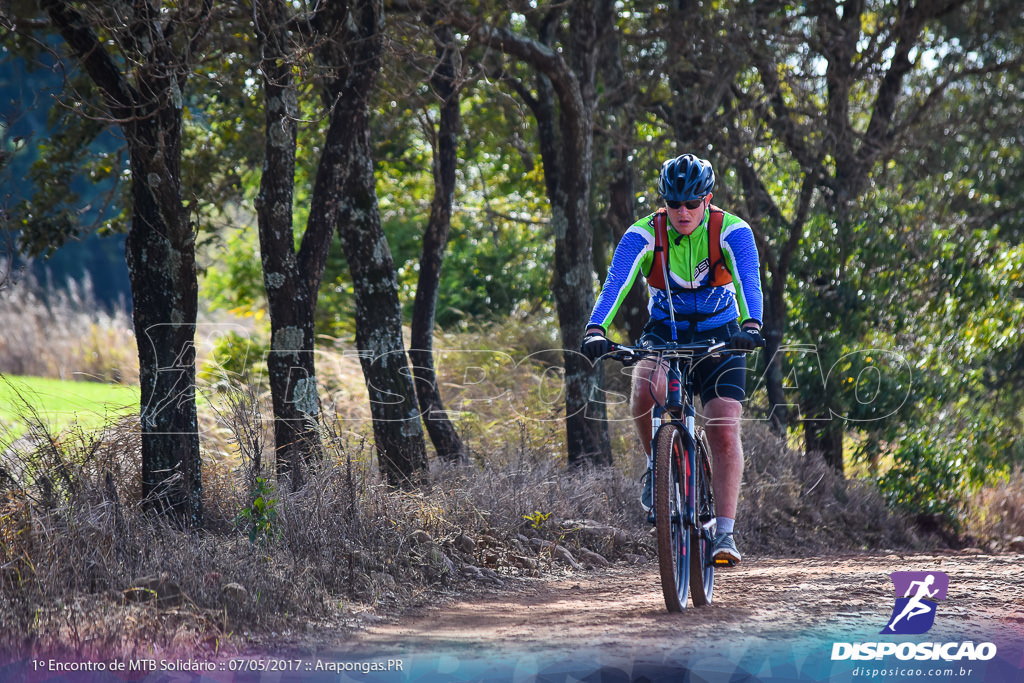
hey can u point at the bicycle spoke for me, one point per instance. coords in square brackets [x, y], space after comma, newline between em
[672, 529]
[702, 567]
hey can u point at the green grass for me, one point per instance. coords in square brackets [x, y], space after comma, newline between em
[61, 403]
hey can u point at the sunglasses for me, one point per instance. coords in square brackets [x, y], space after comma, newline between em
[691, 205]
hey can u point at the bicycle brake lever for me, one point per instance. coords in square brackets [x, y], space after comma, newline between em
[715, 349]
[624, 355]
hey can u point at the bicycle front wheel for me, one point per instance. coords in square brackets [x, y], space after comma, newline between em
[669, 510]
[702, 539]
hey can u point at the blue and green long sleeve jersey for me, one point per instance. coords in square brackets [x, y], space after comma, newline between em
[694, 301]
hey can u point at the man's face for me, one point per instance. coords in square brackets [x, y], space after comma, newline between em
[686, 216]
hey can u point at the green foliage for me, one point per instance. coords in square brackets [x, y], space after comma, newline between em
[904, 292]
[956, 230]
[927, 478]
[487, 277]
[235, 282]
[499, 251]
[71, 187]
[938, 466]
[260, 517]
[236, 355]
[916, 346]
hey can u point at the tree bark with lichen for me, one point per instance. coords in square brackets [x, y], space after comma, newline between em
[143, 95]
[348, 186]
[291, 278]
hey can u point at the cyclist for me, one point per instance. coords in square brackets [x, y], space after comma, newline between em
[703, 307]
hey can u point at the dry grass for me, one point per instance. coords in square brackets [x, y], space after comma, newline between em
[995, 514]
[64, 334]
[792, 503]
[85, 572]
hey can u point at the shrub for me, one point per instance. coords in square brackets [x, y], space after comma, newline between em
[793, 503]
[236, 355]
[995, 513]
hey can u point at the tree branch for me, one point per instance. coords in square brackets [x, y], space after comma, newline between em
[84, 42]
[540, 56]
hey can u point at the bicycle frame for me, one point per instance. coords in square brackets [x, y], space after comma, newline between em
[679, 407]
[684, 541]
[682, 477]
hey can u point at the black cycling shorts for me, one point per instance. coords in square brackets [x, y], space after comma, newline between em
[721, 377]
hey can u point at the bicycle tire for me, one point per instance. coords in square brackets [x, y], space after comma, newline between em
[669, 510]
[702, 539]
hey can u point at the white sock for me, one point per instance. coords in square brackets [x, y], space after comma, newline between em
[724, 525]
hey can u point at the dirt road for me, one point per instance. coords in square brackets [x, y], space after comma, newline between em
[767, 613]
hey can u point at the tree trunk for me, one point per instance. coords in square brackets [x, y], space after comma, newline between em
[775, 258]
[585, 416]
[823, 433]
[442, 432]
[355, 50]
[618, 142]
[565, 132]
[291, 282]
[160, 248]
[161, 266]
[774, 329]
[396, 418]
[621, 214]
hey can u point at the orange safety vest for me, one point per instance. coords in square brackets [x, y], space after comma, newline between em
[720, 275]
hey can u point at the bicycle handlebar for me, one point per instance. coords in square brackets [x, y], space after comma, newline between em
[629, 355]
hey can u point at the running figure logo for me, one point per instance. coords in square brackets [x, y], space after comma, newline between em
[917, 594]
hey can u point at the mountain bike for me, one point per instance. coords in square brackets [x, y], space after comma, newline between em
[684, 503]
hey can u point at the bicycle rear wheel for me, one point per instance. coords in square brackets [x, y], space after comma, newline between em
[669, 508]
[702, 539]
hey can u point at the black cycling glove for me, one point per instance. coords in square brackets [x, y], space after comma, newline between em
[746, 339]
[595, 345]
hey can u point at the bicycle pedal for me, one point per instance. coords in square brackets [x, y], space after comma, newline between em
[724, 562]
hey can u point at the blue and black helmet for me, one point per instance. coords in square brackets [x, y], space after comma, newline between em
[685, 178]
